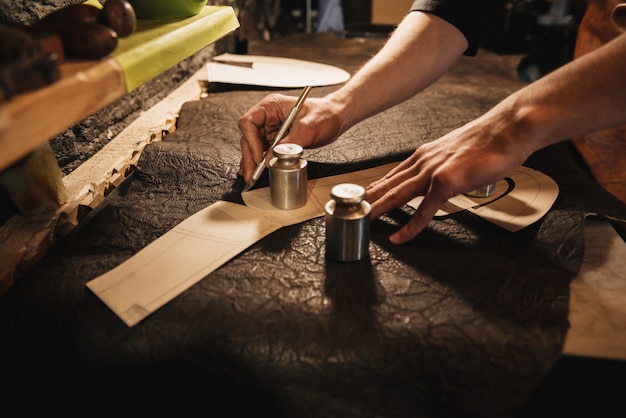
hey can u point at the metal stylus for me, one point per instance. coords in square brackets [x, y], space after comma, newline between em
[281, 133]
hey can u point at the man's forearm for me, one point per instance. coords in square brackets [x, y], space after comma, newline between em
[420, 50]
[586, 95]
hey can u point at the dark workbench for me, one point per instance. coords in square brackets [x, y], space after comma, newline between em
[465, 320]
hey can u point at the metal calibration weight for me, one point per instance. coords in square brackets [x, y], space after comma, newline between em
[485, 191]
[347, 217]
[288, 177]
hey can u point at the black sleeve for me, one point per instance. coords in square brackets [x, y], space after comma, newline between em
[471, 17]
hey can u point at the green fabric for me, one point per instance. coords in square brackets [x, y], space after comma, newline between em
[159, 44]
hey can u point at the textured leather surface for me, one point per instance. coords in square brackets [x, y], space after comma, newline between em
[465, 320]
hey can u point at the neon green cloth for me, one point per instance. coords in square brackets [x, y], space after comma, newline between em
[159, 44]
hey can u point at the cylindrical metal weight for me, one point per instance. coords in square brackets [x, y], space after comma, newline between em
[347, 217]
[484, 191]
[288, 177]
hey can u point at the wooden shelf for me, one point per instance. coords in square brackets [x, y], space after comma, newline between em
[87, 86]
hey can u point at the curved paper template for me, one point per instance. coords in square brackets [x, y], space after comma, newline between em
[202, 243]
[260, 70]
[518, 201]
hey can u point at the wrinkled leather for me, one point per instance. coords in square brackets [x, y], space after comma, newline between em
[464, 320]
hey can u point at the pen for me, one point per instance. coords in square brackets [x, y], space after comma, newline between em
[281, 133]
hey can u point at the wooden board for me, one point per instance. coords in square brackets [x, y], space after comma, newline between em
[30, 119]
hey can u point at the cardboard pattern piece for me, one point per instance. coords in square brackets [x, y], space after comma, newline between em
[208, 239]
[517, 201]
[280, 72]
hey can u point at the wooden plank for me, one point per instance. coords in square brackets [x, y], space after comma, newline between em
[30, 119]
[36, 116]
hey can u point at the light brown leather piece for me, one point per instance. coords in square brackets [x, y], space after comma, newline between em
[604, 152]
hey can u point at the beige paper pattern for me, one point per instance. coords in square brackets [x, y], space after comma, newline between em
[211, 237]
[202, 243]
[531, 197]
[258, 70]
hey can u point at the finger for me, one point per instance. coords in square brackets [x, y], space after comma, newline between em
[251, 135]
[397, 175]
[412, 228]
[247, 162]
[433, 200]
[377, 189]
[397, 196]
[383, 186]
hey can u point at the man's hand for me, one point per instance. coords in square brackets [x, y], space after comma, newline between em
[465, 159]
[317, 124]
